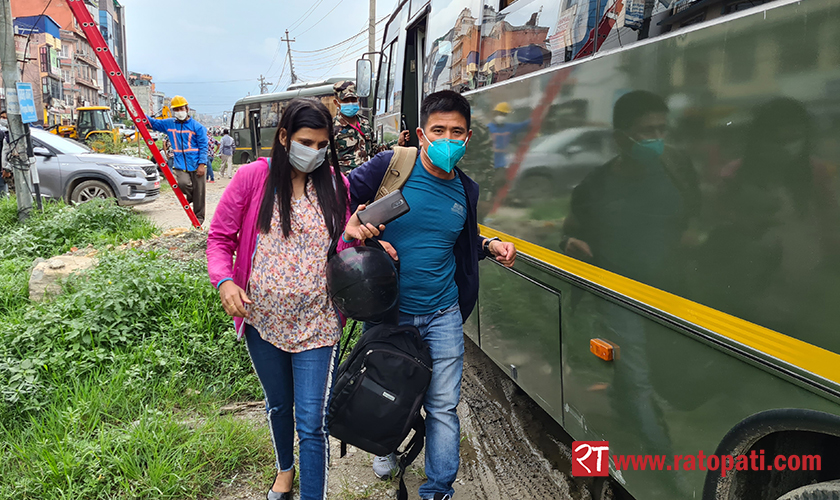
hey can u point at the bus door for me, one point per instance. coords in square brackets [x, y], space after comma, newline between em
[256, 142]
[413, 79]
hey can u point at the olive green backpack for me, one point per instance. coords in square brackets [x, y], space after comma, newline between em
[399, 170]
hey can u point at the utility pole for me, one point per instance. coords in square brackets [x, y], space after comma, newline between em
[289, 49]
[372, 33]
[18, 157]
[264, 85]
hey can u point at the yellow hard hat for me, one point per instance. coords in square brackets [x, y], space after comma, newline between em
[503, 107]
[177, 102]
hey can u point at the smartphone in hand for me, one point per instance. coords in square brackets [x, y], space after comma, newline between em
[385, 209]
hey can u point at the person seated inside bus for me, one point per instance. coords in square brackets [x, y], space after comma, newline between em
[634, 215]
[353, 133]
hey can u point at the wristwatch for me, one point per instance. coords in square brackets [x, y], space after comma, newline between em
[486, 245]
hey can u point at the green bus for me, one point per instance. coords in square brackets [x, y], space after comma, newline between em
[665, 313]
[255, 118]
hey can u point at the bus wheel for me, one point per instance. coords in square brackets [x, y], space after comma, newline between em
[829, 490]
[245, 158]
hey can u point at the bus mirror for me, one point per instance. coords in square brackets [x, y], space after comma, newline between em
[363, 77]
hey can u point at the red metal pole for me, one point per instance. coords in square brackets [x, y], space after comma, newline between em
[115, 74]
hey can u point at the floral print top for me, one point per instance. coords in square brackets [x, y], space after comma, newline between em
[288, 285]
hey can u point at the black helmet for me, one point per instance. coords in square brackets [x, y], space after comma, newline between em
[363, 283]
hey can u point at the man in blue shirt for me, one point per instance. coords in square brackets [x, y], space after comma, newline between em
[189, 149]
[439, 248]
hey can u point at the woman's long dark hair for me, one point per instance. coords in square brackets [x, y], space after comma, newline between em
[329, 185]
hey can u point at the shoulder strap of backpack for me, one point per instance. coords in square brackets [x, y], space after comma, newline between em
[411, 452]
[402, 163]
[346, 343]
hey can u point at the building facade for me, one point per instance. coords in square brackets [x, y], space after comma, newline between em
[144, 91]
[70, 74]
[40, 66]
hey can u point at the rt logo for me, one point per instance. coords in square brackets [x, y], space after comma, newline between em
[590, 458]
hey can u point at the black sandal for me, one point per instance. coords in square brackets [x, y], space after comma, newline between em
[285, 495]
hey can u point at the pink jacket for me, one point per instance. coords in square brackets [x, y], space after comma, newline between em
[234, 231]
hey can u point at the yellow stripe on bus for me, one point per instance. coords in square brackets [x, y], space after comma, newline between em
[816, 360]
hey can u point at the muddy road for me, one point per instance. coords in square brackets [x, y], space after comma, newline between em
[510, 448]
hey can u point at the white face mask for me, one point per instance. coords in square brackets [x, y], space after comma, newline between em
[180, 115]
[795, 149]
[305, 158]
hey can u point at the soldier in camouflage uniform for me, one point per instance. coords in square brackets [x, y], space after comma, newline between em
[353, 132]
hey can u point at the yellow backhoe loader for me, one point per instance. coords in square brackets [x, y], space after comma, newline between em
[93, 126]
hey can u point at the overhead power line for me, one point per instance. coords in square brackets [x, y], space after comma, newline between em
[299, 55]
[311, 11]
[342, 55]
[341, 42]
[304, 15]
[210, 81]
[319, 21]
[274, 59]
[280, 77]
[326, 59]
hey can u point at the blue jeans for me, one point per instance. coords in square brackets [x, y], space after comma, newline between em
[443, 332]
[302, 380]
[210, 176]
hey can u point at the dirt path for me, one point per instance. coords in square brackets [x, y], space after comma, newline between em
[167, 213]
[510, 448]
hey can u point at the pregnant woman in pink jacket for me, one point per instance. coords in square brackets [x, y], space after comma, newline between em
[266, 254]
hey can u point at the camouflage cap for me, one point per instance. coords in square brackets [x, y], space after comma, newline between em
[344, 90]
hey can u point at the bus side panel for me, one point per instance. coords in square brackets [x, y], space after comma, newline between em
[471, 326]
[760, 247]
[667, 394]
[520, 331]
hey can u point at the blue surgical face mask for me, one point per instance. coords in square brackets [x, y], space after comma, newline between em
[445, 153]
[648, 149]
[350, 109]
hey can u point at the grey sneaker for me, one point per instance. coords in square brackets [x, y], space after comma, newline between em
[385, 467]
[440, 496]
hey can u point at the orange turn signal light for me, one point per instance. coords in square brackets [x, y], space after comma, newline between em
[604, 349]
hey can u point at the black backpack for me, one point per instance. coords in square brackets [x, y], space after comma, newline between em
[378, 393]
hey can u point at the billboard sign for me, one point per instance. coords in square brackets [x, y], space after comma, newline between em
[26, 98]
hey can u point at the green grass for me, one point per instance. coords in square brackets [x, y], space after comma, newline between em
[60, 227]
[113, 388]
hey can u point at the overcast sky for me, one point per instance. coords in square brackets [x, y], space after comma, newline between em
[182, 41]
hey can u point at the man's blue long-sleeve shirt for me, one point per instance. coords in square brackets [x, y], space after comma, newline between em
[188, 139]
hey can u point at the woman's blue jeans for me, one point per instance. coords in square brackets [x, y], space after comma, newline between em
[303, 381]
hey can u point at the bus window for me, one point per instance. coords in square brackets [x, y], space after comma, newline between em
[417, 6]
[452, 53]
[395, 85]
[238, 119]
[513, 39]
[382, 83]
[392, 76]
[269, 114]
